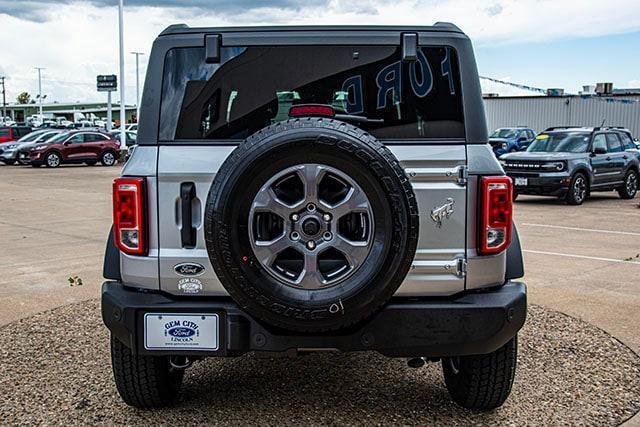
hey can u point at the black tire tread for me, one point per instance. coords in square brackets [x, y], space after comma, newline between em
[484, 381]
[143, 381]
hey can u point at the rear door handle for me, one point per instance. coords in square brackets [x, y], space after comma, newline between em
[608, 158]
[187, 231]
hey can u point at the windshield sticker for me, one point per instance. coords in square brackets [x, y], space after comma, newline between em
[446, 70]
[543, 136]
[421, 89]
[389, 79]
[353, 84]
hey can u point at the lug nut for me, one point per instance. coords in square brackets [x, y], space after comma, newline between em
[311, 207]
[326, 217]
[327, 236]
[295, 235]
[311, 244]
[295, 217]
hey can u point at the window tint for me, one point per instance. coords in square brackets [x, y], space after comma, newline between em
[613, 143]
[530, 134]
[77, 139]
[599, 141]
[4, 132]
[626, 141]
[256, 86]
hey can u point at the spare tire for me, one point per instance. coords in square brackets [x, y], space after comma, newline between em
[311, 224]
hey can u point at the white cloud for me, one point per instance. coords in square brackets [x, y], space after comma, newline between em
[79, 40]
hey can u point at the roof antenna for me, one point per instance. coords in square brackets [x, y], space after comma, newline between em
[602, 124]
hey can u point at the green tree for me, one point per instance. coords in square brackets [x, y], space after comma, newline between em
[23, 98]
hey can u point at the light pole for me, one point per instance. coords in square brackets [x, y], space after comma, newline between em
[40, 91]
[137, 54]
[4, 101]
[123, 136]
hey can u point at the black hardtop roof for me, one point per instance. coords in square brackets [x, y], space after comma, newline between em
[437, 27]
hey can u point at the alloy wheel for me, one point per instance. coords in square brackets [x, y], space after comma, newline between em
[579, 189]
[311, 226]
[53, 160]
[632, 183]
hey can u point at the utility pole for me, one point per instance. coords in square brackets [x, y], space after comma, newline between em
[40, 91]
[123, 120]
[4, 100]
[137, 54]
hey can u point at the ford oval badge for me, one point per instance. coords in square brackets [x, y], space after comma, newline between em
[188, 269]
[181, 332]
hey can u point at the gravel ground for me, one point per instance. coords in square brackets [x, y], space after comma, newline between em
[55, 369]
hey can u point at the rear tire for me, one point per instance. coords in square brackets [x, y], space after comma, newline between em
[630, 187]
[482, 382]
[578, 189]
[144, 381]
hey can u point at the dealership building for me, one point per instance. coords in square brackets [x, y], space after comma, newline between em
[542, 112]
[71, 111]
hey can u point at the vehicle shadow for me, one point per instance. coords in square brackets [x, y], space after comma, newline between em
[364, 388]
[594, 199]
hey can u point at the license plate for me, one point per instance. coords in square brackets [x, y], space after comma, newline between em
[181, 331]
[521, 181]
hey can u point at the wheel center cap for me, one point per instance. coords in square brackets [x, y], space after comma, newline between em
[311, 226]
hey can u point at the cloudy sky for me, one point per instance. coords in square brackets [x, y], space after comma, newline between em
[543, 43]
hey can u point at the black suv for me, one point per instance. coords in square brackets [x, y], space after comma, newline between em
[571, 162]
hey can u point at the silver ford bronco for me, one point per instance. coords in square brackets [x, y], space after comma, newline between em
[299, 189]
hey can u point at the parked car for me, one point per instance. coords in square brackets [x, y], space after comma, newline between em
[132, 127]
[295, 229]
[13, 133]
[509, 140]
[571, 163]
[10, 151]
[76, 147]
[131, 137]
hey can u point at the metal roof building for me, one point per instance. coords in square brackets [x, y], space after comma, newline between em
[541, 112]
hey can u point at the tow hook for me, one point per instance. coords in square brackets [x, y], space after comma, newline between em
[180, 362]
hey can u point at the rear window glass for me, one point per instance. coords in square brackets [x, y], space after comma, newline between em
[4, 132]
[254, 87]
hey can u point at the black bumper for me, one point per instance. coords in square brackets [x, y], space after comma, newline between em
[473, 323]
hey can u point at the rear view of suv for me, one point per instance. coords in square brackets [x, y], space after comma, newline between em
[299, 189]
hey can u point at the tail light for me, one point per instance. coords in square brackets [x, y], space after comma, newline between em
[306, 110]
[129, 221]
[496, 199]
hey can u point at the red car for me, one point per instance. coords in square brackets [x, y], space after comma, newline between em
[13, 133]
[76, 147]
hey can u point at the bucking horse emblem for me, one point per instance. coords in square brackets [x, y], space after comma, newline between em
[443, 212]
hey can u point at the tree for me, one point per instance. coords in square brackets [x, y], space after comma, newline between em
[23, 98]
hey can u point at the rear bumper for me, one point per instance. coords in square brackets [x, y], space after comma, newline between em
[474, 323]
